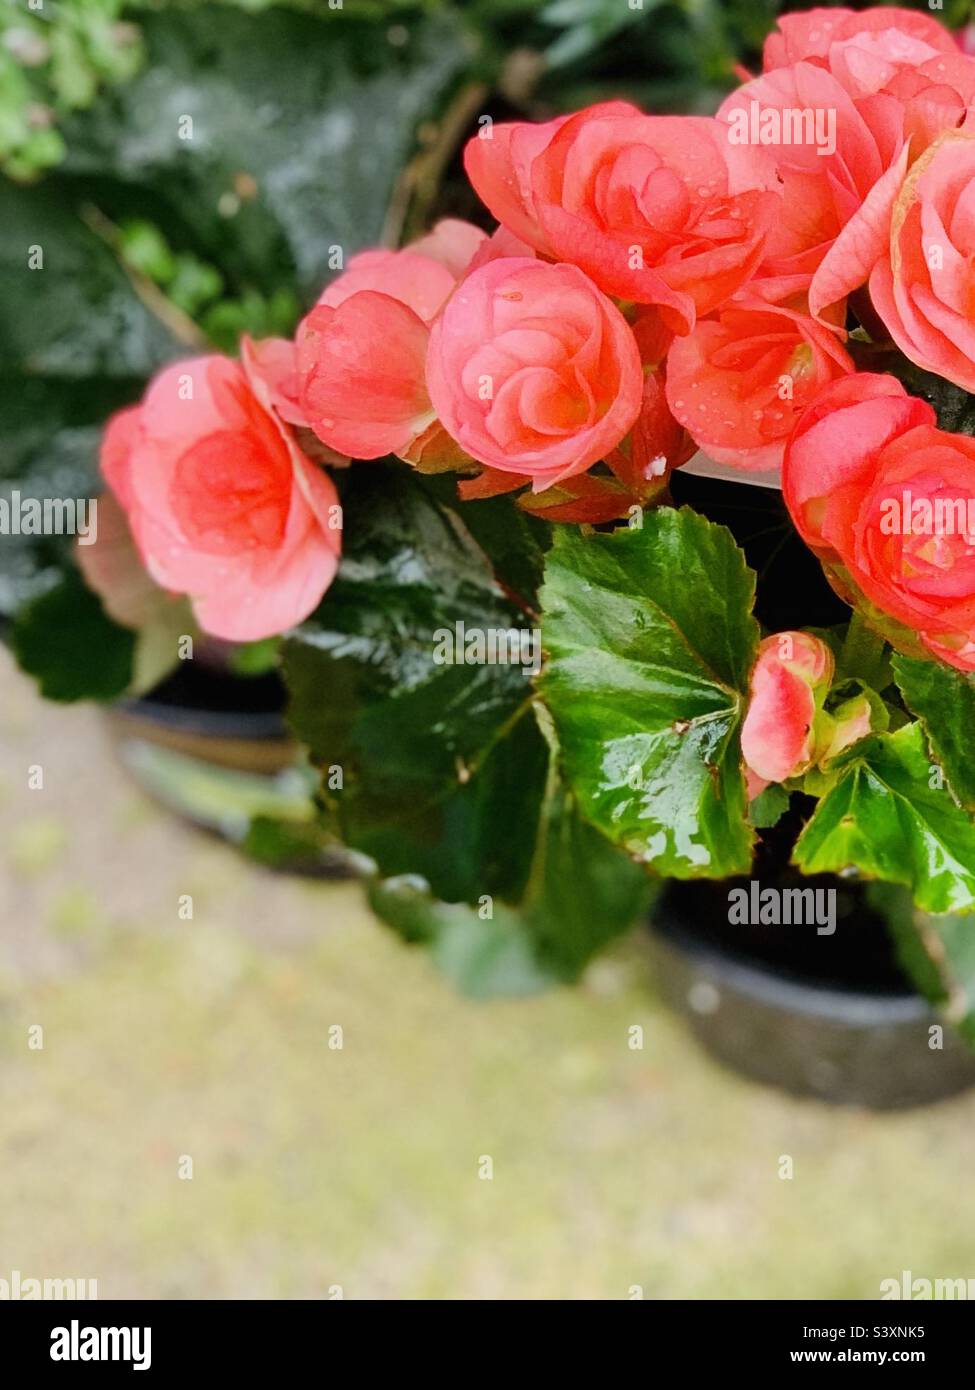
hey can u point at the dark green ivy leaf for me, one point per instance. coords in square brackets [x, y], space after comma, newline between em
[67, 642]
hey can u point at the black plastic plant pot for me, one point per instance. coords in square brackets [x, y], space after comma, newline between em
[214, 749]
[211, 715]
[864, 1039]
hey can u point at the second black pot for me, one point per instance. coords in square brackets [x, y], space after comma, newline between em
[849, 1029]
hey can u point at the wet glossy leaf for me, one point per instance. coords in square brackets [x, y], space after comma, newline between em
[944, 701]
[442, 766]
[650, 639]
[581, 893]
[884, 818]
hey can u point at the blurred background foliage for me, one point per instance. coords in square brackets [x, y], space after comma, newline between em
[57, 56]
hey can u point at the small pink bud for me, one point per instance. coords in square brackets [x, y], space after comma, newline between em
[788, 685]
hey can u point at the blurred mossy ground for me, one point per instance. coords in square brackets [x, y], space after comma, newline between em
[315, 1167]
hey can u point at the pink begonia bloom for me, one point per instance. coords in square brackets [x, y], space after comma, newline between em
[113, 568]
[740, 380]
[838, 169]
[879, 86]
[533, 371]
[921, 285]
[223, 505]
[866, 476]
[659, 210]
[891, 32]
[362, 349]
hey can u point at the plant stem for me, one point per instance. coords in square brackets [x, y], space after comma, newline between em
[862, 651]
[179, 324]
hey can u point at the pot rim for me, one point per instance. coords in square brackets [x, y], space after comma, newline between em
[210, 723]
[771, 986]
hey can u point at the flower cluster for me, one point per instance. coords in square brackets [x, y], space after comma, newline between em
[475, 353]
[655, 283]
[626, 309]
[883, 203]
[661, 278]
